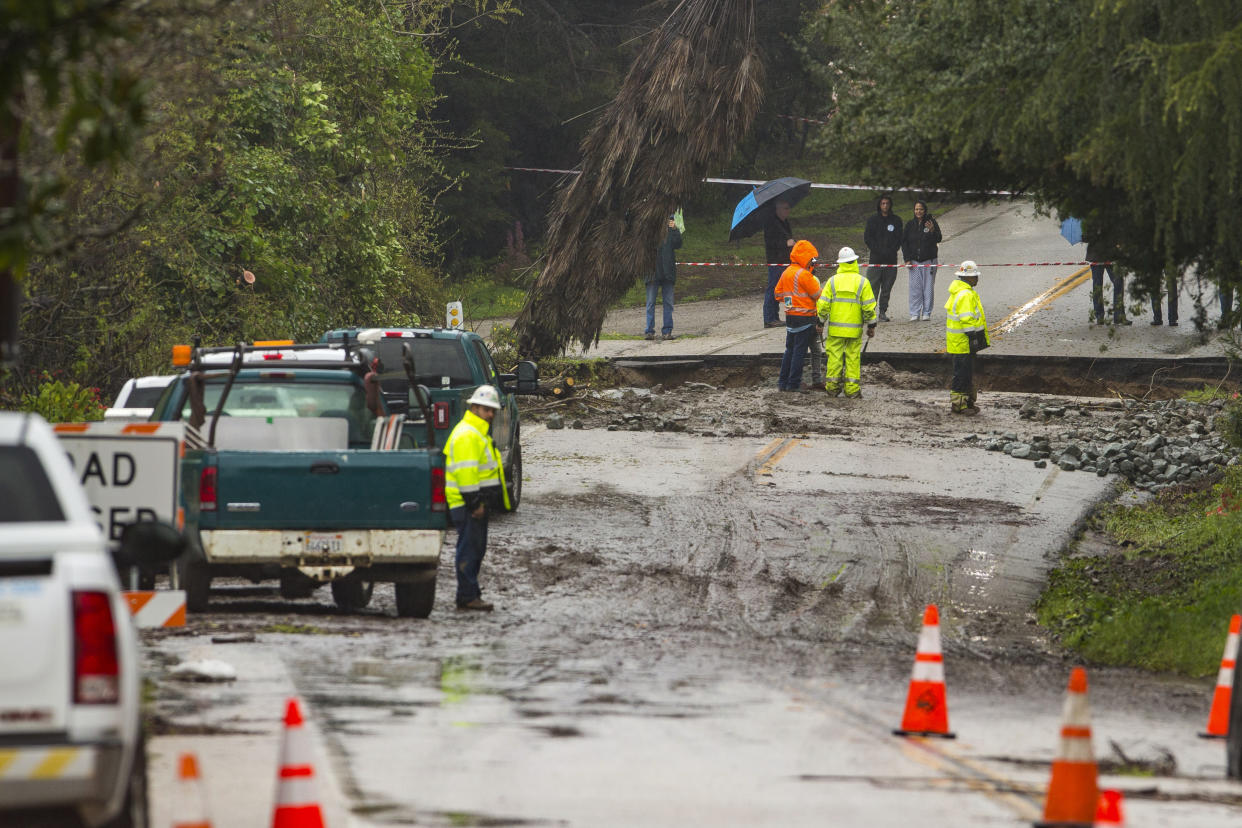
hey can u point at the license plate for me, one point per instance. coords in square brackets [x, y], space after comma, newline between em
[324, 544]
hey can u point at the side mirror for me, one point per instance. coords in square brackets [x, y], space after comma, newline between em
[149, 542]
[527, 378]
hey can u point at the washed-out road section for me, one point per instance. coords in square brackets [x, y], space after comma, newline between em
[702, 629]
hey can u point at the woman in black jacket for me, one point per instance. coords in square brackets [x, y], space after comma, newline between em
[919, 248]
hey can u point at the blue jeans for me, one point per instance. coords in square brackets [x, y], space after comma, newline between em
[471, 546]
[666, 290]
[771, 310]
[797, 343]
[1119, 295]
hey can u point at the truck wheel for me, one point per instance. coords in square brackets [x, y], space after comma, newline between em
[513, 478]
[134, 813]
[352, 595]
[414, 600]
[195, 579]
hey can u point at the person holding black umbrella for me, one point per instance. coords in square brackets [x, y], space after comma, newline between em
[778, 241]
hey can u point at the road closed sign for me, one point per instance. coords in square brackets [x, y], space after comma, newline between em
[130, 471]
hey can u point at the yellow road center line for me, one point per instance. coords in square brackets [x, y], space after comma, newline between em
[775, 458]
[1041, 301]
[765, 452]
[990, 784]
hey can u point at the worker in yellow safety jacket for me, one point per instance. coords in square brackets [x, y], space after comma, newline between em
[966, 333]
[474, 484]
[846, 306]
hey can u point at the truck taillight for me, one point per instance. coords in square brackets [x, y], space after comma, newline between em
[438, 502]
[96, 666]
[440, 414]
[207, 489]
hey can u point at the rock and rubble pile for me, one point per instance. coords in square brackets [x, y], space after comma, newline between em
[1153, 445]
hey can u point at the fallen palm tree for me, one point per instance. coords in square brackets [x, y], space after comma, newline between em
[688, 99]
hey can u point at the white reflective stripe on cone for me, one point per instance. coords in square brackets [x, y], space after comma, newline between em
[928, 670]
[1076, 750]
[296, 792]
[929, 639]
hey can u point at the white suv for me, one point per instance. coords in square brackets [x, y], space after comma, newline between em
[71, 744]
[138, 398]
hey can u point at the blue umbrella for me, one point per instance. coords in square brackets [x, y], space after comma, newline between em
[753, 210]
[1071, 229]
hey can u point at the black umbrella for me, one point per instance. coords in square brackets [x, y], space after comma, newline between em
[753, 210]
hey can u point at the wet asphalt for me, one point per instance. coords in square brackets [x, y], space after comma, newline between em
[713, 630]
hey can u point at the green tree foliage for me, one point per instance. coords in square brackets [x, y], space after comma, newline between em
[289, 139]
[1122, 112]
[527, 93]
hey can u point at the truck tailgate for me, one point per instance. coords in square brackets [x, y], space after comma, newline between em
[312, 490]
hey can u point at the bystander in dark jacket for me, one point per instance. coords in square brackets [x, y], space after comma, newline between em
[662, 280]
[1099, 249]
[778, 240]
[882, 236]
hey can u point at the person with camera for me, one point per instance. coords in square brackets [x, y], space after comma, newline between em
[920, 247]
[966, 333]
[661, 281]
[474, 485]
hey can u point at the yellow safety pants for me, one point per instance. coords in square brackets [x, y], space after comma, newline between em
[844, 356]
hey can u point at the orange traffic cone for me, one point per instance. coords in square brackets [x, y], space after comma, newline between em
[1072, 792]
[297, 804]
[191, 805]
[1218, 717]
[927, 709]
[1108, 812]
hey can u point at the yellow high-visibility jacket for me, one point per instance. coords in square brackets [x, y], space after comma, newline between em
[847, 303]
[965, 315]
[472, 462]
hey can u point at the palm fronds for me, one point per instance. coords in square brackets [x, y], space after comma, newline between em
[688, 99]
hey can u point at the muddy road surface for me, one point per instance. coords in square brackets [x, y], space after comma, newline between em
[706, 614]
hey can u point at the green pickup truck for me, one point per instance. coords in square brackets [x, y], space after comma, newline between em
[450, 364]
[300, 472]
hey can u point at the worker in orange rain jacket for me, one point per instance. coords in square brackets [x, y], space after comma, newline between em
[797, 291]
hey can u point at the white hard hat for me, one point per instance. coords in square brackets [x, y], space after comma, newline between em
[847, 254]
[485, 395]
[968, 268]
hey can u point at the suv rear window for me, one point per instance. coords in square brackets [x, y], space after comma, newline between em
[144, 397]
[26, 495]
[434, 360]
